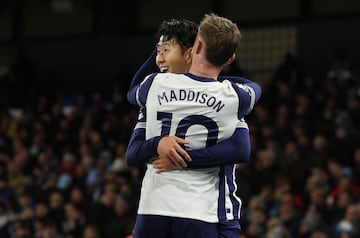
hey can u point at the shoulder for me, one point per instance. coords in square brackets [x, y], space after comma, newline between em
[169, 79]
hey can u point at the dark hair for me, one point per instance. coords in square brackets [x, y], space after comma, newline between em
[182, 31]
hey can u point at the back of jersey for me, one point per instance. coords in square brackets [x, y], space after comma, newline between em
[204, 112]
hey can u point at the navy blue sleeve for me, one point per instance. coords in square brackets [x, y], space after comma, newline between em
[241, 80]
[231, 151]
[140, 150]
[147, 68]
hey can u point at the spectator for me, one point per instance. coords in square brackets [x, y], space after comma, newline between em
[349, 224]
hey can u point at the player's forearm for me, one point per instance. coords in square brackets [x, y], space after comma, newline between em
[147, 68]
[140, 150]
[234, 150]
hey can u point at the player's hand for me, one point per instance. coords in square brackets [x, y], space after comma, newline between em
[163, 165]
[170, 148]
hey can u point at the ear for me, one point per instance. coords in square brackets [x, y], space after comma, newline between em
[188, 55]
[198, 46]
[231, 59]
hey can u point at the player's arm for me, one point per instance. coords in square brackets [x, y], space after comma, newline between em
[244, 81]
[147, 68]
[137, 151]
[248, 95]
[234, 150]
[140, 150]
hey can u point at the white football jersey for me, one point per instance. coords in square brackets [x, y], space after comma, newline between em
[204, 112]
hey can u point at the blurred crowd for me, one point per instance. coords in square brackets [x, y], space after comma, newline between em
[63, 172]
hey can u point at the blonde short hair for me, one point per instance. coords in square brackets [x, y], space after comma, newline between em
[221, 37]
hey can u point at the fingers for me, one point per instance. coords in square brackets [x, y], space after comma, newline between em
[177, 160]
[159, 171]
[160, 168]
[170, 148]
[180, 140]
[183, 153]
[163, 165]
[180, 150]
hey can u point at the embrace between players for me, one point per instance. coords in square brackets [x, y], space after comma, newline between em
[191, 131]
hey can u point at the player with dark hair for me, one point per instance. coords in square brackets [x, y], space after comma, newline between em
[178, 65]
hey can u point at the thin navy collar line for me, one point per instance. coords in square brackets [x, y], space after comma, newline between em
[201, 79]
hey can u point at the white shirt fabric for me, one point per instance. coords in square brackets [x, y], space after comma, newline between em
[203, 111]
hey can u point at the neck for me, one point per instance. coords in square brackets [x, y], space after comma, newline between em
[204, 69]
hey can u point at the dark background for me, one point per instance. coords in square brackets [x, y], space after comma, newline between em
[101, 42]
[65, 66]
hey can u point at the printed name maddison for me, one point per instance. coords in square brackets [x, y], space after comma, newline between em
[190, 96]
